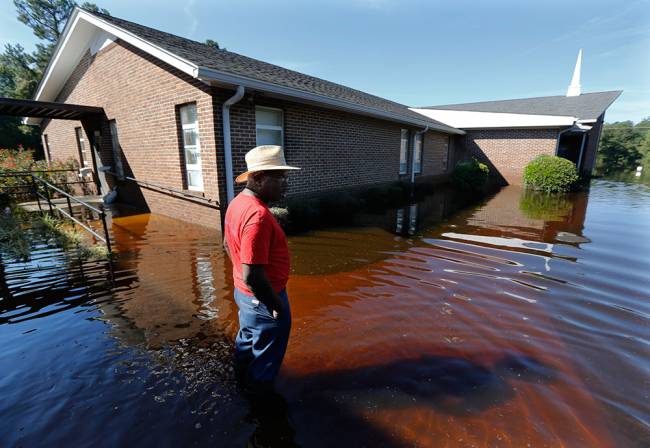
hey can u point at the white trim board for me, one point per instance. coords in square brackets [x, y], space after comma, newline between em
[481, 120]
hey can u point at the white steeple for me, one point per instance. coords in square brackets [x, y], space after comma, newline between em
[574, 88]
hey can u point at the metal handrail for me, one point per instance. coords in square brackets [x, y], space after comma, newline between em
[58, 190]
[105, 239]
[210, 202]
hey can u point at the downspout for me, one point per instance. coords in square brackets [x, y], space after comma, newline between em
[227, 145]
[422, 132]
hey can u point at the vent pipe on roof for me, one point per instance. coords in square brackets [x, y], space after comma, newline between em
[574, 88]
[227, 146]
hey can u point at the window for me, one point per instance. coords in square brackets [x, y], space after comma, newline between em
[269, 126]
[81, 145]
[403, 151]
[445, 156]
[191, 147]
[417, 153]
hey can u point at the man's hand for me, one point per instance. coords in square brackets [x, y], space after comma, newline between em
[255, 278]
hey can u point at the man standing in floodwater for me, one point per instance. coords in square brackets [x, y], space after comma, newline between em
[258, 249]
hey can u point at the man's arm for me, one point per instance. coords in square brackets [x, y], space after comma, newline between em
[255, 278]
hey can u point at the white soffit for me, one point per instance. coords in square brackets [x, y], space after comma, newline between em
[480, 120]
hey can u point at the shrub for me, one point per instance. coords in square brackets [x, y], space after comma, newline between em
[470, 175]
[22, 160]
[551, 174]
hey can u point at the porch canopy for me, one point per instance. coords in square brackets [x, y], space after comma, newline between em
[43, 109]
[91, 119]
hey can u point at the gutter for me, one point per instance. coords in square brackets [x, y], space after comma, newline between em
[227, 144]
[203, 73]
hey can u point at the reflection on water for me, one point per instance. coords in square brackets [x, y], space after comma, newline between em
[521, 321]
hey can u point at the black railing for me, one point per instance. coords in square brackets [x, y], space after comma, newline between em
[27, 186]
[176, 193]
[69, 214]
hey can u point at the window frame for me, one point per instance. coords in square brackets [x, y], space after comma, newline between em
[191, 166]
[81, 147]
[417, 137]
[404, 150]
[268, 126]
[447, 155]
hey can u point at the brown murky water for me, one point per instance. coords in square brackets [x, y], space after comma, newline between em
[517, 322]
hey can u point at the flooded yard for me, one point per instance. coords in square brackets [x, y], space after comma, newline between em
[515, 322]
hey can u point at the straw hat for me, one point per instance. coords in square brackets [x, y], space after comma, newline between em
[264, 158]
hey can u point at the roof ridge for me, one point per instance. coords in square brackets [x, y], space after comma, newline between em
[517, 99]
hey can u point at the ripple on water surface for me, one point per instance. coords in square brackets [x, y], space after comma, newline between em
[517, 322]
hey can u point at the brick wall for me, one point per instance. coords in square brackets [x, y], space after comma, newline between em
[142, 95]
[506, 151]
[435, 153]
[334, 149]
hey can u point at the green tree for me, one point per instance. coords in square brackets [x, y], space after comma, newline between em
[620, 147]
[212, 43]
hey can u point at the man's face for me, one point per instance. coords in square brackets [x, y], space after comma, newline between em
[272, 185]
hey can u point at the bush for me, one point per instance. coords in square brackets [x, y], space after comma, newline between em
[551, 174]
[470, 175]
[22, 160]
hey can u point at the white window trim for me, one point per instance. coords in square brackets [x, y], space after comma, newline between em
[195, 166]
[406, 151]
[81, 146]
[268, 126]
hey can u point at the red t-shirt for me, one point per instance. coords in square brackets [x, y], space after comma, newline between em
[255, 237]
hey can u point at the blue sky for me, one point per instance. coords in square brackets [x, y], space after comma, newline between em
[420, 53]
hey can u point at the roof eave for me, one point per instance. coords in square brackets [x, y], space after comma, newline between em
[208, 74]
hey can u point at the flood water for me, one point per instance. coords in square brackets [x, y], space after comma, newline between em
[520, 321]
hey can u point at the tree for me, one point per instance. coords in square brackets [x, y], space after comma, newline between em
[212, 43]
[620, 147]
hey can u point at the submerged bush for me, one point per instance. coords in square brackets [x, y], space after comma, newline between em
[470, 175]
[551, 174]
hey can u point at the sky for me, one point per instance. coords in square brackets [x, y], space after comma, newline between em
[420, 53]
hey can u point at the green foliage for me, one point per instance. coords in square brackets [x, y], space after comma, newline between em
[470, 175]
[212, 43]
[13, 239]
[623, 146]
[551, 174]
[545, 206]
[22, 160]
[69, 237]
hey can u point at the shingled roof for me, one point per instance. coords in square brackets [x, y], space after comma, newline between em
[587, 106]
[230, 63]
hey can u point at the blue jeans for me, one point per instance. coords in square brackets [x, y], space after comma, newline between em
[262, 340]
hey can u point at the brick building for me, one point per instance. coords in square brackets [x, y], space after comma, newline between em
[508, 134]
[181, 115]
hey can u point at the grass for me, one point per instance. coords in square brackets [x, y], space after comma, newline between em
[13, 238]
[15, 242]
